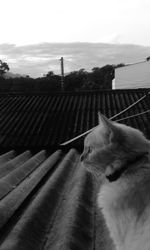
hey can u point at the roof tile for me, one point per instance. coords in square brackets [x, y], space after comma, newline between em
[37, 121]
[51, 207]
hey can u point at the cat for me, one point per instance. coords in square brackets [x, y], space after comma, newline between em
[119, 157]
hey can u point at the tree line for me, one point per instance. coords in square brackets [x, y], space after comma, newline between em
[98, 78]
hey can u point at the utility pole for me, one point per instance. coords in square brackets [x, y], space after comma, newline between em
[62, 73]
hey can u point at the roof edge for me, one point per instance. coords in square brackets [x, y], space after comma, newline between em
[72, 92]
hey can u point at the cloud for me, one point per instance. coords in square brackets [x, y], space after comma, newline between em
[113, 38]
[36, 60]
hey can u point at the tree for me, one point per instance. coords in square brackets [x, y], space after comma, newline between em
[148, 58]
[119, 65]
[75, 80]
[49, 74]
[103, 76]
[3, 68]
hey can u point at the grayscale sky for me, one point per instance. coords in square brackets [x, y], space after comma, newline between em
[34, 33]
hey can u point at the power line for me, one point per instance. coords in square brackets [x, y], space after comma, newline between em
[123, 111]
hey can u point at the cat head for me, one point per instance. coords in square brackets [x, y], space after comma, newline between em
[111, 145]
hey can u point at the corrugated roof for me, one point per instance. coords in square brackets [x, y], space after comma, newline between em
[45, 121]
[48, 202]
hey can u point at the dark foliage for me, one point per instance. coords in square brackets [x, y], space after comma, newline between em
[98, 78]
[119, 65]
[27, 84]
[3, 68]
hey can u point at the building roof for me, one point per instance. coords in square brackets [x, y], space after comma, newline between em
[44, 121]
[48, 202]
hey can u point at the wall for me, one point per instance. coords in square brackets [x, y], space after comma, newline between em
[133, 76]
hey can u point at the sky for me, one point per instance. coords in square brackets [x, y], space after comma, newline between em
[30, 26]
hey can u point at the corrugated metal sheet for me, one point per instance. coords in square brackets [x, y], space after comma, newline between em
[49, 203]
[45, 121]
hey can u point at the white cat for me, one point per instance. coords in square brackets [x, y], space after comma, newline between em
[119, 156]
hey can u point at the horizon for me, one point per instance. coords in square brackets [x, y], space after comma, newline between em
[36, 60]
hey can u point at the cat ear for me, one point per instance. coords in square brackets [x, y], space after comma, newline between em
[104, 121]
[110, 128]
